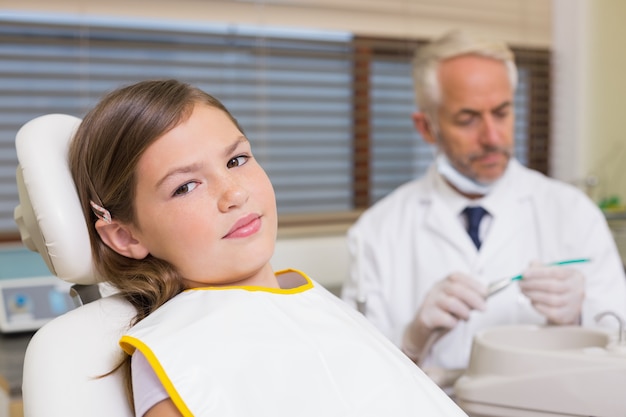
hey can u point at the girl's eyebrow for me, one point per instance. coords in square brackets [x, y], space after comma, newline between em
[233, 147]
[178, 170]
[196, 166]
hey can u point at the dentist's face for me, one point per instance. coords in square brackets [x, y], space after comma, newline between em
[204, 204]
[475, 116]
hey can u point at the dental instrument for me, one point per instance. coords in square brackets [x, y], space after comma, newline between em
[501, 284]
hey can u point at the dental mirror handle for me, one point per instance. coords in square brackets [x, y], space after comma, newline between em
[566, 262]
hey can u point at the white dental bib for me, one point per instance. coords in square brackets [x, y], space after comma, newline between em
[242, 351]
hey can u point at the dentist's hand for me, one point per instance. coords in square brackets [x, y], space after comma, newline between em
[557, 292]
[450, 300]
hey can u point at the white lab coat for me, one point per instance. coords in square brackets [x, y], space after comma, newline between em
[410, 240]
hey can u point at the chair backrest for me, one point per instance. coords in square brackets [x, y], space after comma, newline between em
[66, 359]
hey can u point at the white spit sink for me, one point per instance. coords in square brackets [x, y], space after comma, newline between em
[541, 371]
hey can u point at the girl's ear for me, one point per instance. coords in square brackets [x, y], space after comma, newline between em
[120, 238]
[423, 125]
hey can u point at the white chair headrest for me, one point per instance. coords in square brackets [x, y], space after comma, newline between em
[49, 216]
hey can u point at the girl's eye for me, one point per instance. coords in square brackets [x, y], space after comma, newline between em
[185, 188]
[237, 161]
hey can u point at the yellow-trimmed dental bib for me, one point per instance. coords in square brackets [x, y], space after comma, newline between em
[294, 351]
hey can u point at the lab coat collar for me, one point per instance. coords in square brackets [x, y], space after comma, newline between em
[443, 205]
[511, 186]
[506, 204]
[446, 204]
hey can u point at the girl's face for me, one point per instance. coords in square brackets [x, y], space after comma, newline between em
[205, 205]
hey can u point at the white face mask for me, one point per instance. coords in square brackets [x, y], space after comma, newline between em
[459, 181]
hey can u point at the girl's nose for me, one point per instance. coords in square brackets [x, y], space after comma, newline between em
[232, 195]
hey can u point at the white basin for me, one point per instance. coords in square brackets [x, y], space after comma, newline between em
[543, 371]
[545, 337]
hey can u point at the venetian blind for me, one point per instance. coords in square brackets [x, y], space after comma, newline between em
[290, 91]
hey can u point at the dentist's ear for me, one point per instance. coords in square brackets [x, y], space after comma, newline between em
[120, 238]
[424, 126]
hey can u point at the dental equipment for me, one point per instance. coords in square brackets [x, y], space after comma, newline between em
[544, 371]
[501, 284]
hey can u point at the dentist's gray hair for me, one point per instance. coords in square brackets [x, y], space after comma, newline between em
[455, 43]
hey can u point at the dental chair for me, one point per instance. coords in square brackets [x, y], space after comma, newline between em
[66, 359]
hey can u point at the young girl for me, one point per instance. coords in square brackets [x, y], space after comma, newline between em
[182, 220]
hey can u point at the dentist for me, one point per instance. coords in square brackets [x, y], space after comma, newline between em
[428, 251]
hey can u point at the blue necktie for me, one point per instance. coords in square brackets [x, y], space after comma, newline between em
[474, 215]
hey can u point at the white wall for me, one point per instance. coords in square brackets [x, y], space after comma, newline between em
[323, 258]
[568, 96]
[590, 86]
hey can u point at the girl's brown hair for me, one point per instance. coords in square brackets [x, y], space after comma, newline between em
[103, 156]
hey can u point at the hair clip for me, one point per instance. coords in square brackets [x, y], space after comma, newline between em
[100, 212]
